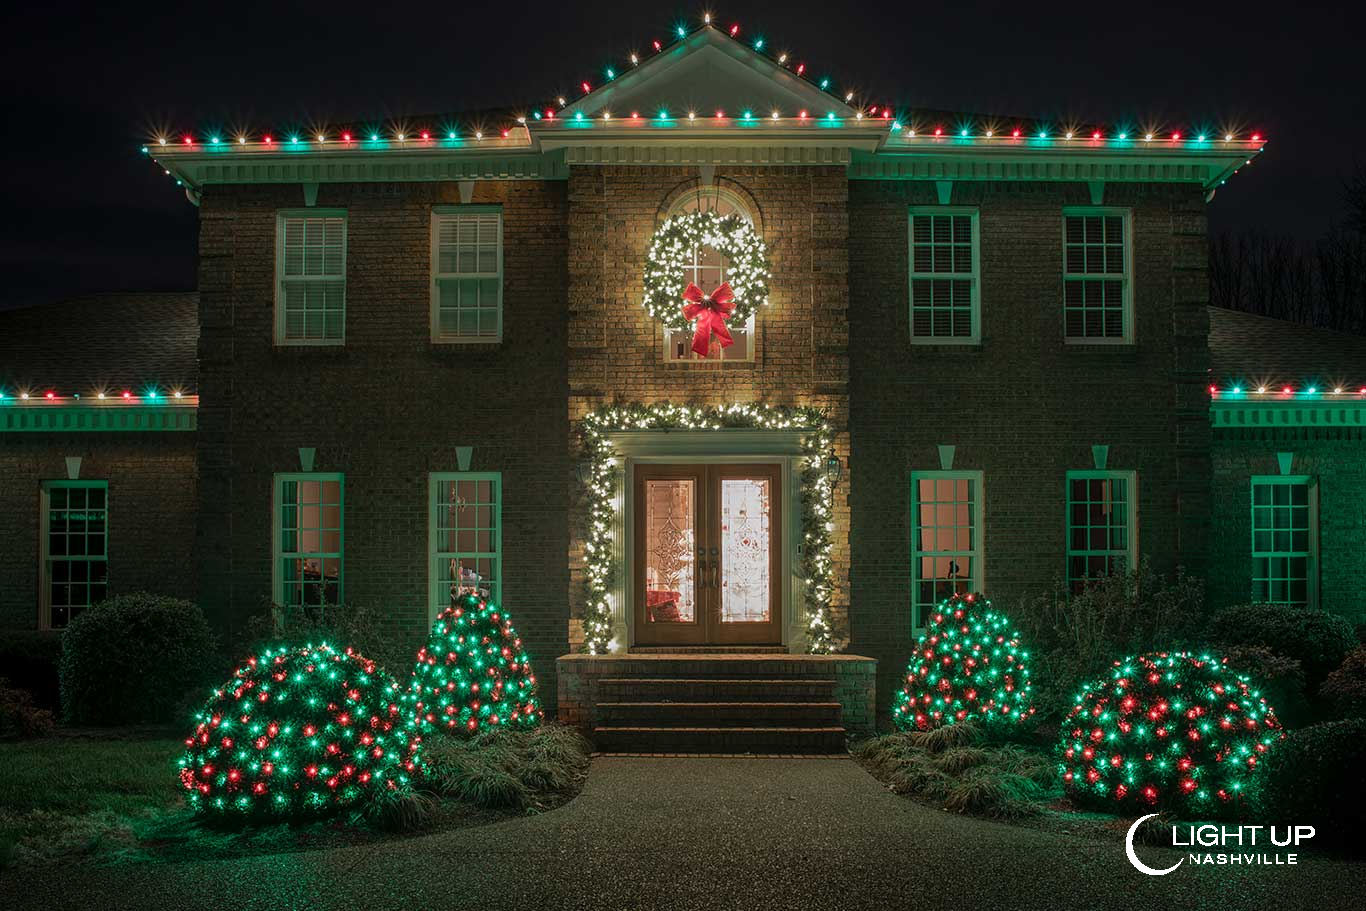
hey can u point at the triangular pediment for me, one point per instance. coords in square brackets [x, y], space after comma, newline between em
[709, 72]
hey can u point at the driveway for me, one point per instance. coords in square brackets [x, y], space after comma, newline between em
[689, 833]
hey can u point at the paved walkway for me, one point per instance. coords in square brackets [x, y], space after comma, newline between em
[687, 833]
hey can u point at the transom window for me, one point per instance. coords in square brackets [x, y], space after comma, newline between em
[310, 269]
[707, 269]
[74, 539]
[1100, 525]
[1097, 297]
[466, 536]
[1284, 541]
[946, 543]
[467, 274]
[945, 298]
[308, 539]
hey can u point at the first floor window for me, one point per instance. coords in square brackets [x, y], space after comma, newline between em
[467, 274]
[1097, 298]
[466, 536]
[308, 539]
[310, 271]
[1284, 540]
[74, 540]
[946, 544]
[944, 276]
[1100, 525]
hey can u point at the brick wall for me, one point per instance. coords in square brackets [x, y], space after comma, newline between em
[615, 347]
[1023, 407]
[1336, 458]
[387, 408]
[151, 481]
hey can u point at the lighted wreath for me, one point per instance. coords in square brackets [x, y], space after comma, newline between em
[679, 304]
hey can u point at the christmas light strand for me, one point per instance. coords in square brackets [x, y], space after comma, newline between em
[148, 395]
[605, 475]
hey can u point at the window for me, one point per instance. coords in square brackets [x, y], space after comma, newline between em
[310, 270]
[946, 544]
[308, 539]
[74, 543]
[1285, 532]
[467, 274]
[707, 270]
[1097, 297]
[945, 301]
[1100, 524]
[466, 536]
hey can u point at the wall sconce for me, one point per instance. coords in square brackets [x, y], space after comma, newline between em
[834, 469]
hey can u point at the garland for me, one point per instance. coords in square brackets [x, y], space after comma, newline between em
[671, 251]
[601, 488]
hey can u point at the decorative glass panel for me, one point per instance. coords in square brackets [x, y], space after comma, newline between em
[746, 550]
[75, 548]
[670, 549]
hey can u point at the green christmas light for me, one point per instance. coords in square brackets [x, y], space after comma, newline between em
[1166, 730]
[298, 731]
[473, 673]
[968, 665]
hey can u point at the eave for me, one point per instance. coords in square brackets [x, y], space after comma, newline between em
[70, 415]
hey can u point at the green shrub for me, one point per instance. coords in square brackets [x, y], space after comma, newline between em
[355, 624]
[1345, 688]
[19, 717]
[1317, 639]
[29, 659]
[134, 659]
[1314, 778]
[1278, 678]
[506, 768]
[1076, 636]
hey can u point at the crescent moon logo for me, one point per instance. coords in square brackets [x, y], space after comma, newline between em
[1133, 858]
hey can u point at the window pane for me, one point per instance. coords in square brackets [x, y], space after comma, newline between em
[74, 549]
[942, 276]
[1282, 541]
[944, 542]
[1097, 527]
[309, 543]
[465, 555]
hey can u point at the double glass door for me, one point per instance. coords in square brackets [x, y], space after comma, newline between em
[707, 555]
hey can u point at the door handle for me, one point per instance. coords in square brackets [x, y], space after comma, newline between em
[715, 573]
[701, 568]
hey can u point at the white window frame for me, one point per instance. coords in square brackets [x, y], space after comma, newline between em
[278, 555]
[975, 276]
[438, 595]
[1131, 518]
[281, 216]
[45, 558]
[1125, 277]
[976, 556]
[737, 202]
[1311, 556]
[438, 213]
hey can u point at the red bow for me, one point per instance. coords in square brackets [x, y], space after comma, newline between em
[711, 312]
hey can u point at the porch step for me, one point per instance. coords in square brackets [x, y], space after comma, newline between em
[733, 714]
[623, 739]
[713, 689]
[708, 650]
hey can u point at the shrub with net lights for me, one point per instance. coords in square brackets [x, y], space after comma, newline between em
[968, 664]
[474, 674]
[1167, 731]
[299, 730]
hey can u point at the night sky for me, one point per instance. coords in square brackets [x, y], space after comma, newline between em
[85, 211]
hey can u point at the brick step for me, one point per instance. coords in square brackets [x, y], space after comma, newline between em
[713, 689]
[622, 739]
[708, 650]
[719, 714]
[727, 666]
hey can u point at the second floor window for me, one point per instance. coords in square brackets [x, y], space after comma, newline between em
[467, 274]
[945, 295]
[707, 269]
[1097, 297]
[310, 271]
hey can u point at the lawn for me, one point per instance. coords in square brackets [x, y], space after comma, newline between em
[105, 798]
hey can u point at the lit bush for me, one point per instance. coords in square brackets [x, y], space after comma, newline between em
[299, 731]
[473, 674]
[1167, 731]
[969, 664]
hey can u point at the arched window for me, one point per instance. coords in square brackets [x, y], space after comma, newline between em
[707, 269]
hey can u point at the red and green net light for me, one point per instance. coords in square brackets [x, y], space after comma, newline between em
[968, 665]
[1167, 730]
[297, 731]
[474, 673]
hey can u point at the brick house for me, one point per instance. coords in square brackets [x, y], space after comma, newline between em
[400, 368]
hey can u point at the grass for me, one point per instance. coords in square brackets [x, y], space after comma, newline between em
[106, 799]
[958, 768]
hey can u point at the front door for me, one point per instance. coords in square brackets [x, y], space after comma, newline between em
[707, 558]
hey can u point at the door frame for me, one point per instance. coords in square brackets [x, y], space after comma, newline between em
[720, 446]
